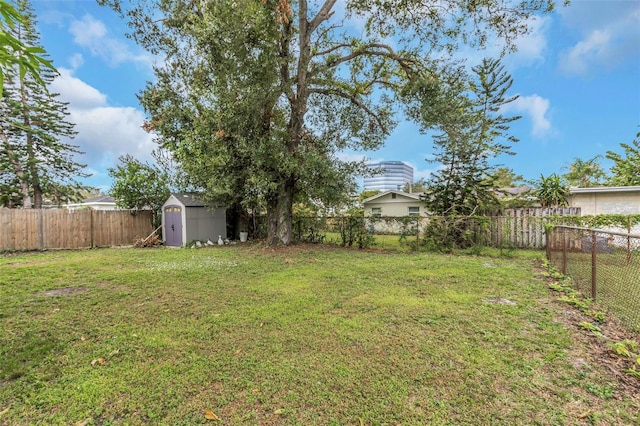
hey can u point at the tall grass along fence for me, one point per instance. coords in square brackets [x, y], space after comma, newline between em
[71, 229]
[603, 264]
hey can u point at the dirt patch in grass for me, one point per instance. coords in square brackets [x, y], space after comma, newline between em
[64, 291]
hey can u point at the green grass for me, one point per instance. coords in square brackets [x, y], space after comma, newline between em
[307, 335]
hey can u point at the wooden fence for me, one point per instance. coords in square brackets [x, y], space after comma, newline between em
[33, 229]
[524, 228]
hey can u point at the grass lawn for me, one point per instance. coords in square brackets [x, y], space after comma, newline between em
[303, 335]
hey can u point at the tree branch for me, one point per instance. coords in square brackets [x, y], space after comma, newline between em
[354, 100]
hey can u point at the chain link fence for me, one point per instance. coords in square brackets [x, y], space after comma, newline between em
[604, 265]
[410, 233]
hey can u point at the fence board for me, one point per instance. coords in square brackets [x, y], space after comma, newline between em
[33, 229]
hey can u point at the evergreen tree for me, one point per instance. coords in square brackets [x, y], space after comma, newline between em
[33, 128]
[475, 133]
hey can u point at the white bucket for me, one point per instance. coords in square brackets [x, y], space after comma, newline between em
[243, 237]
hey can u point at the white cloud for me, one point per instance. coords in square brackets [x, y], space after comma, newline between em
[93, 35]
[536, 108]
[610, 34]
[75, 91]
[76, 61]
[104, 132]
[532, 47]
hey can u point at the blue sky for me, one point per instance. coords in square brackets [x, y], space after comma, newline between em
[577, 74]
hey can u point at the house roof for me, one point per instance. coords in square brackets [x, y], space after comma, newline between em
[100, 199]
[411, 195]
[605, 189]
[513, 192]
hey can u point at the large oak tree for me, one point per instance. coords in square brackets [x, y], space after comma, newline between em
[256, 98]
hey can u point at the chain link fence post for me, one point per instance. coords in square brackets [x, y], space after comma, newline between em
[594, 260]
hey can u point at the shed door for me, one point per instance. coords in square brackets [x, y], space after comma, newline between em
[173, 226]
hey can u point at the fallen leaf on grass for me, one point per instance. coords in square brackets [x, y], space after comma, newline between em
[99, 361]
[5, 411]
[279, 411]
[210, 415]
[584, 415]
[114, 352]
[83, 422]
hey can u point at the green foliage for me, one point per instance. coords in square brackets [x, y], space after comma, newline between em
[353, 232]
[367, 193]
[137, 185]
[552, 191]
[585, 325]
[504, 177]
[15, 52]
[624, 348]
[257, 98]
[416, 187]
[585, 173]
[33, 125]
[447, 233]
[476, 132]
[626, 168]
[601, 391]
[594, 221]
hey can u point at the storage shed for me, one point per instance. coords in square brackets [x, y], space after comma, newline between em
[185, 218]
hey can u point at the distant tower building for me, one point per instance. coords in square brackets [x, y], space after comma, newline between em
[395, 175]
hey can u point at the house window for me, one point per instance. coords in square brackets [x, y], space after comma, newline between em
[414, 211]
[393, 195]
[376, 211]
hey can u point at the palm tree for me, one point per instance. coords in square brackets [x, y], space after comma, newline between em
[552, 191]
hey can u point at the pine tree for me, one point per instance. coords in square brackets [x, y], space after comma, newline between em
[475, 133]
[33, 129]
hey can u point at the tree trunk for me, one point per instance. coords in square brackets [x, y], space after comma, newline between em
[37, 196]
[285, 212]
[272, 221]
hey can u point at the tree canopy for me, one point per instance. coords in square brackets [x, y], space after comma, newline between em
[626, 168]
[477, 133]
[256, 98]
[585, 173]
[138, 185]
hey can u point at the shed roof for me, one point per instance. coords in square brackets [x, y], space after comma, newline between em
[189, 199]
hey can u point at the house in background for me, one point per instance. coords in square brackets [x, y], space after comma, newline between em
[606, 200]
[101, 202]
[394, 204]
[185, 218]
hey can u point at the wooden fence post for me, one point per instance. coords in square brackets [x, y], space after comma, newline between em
[546, 242]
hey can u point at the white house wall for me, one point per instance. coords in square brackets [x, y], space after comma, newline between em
[395, 207]
[595, 203]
